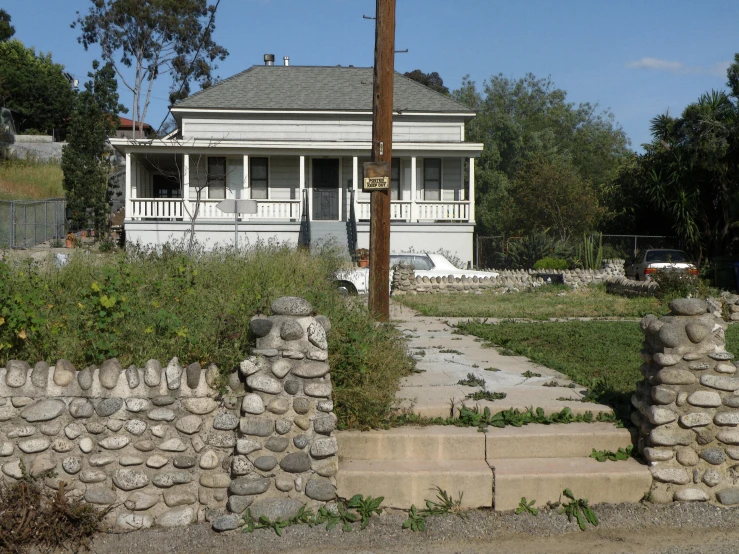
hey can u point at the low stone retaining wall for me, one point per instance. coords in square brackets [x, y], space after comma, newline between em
[687, 406]
[405, 281]
[165, 445]
[628, 287]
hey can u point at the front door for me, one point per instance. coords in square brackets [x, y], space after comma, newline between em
[326, 189]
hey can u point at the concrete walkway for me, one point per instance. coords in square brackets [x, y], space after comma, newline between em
[445, 358]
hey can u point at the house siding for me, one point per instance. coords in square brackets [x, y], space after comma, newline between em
[287, 127]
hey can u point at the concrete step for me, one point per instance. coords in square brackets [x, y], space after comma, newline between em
[566, 440]
[439, 442]
[406, 482]
[544, 479]
[436, 442]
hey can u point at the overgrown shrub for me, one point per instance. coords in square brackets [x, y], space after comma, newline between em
[141, 304]
[676, 284]
[551, 263]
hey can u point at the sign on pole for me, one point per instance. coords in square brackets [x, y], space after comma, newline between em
[237, 206]
[376, 176]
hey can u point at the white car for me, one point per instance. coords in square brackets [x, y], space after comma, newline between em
[356, 281]
[652, 261]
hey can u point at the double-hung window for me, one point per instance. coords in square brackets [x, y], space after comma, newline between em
[432, 179]
[217, 178]
[258, 177]
[396, 193]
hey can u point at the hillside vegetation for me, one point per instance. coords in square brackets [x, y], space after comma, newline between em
[30, 180]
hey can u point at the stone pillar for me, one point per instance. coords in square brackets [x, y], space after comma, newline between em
[688, 407]
[286, 444]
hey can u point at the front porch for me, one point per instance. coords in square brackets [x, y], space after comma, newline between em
[180, 187]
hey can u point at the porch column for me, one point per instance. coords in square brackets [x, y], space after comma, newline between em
[301, 183]
[471, 217]
[185, 185]
[414, 215]
[309, 181]
[355, 184]
[245, 190]
[128, 191]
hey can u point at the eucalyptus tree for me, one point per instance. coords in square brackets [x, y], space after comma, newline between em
[152, 37]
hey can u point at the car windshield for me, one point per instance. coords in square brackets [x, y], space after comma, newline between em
[666, 256]
[421, 263]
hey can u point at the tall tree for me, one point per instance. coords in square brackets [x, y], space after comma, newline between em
[689, 173]
[84, 159]
[6, 29]
[34, 87]
[519, 120]
[152, 37]
[431, 80]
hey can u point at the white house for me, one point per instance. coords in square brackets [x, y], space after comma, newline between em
[294, 138]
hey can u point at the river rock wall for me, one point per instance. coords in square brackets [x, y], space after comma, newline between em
[687, 406]
[405, 280]
[170, 445]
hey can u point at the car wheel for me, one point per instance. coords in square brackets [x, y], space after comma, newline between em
[346, 288]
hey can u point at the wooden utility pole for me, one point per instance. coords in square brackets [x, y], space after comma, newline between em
[382, 151]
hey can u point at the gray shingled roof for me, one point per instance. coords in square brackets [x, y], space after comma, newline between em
[315, 88]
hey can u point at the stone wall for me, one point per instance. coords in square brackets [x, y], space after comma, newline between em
[172, 445]
[628, 287]
[405, 281]
[687, 406]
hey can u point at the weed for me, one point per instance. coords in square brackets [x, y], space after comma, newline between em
[365, 507]
[578, 509]
[486, 395]
[491, 369]
[475, 366]
[34, 518]
[416, 521]
[528, 374]
[525, 506]
[456, 338]
[472, 381]
[554, 383]
[607, 455]
[570, 399]
[421, 353]
[445, 505]
[449, 351]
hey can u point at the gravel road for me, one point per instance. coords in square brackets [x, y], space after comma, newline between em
[628, 528]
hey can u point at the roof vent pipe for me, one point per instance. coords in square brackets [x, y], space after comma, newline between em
[269, 59]
[286, 59]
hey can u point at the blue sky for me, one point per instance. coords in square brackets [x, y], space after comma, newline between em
[638, 58]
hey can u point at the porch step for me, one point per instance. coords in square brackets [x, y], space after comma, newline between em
[406, 482]
[544, 479]
[322, 232]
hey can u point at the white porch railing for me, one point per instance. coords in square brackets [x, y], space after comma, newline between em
[424, 210]
[155, 208]
[158, 208]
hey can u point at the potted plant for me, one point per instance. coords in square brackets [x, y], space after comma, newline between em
[362, 255]
[71, 240]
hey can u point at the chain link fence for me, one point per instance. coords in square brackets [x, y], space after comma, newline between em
[490, 252]
[26, 223]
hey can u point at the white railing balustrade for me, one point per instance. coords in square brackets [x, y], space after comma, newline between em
[443, 211]
[156, 208]
[425, 210]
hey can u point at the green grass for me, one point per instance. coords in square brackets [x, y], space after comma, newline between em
[542, 303]
[30, 180]
[141, 304]
[600, 355]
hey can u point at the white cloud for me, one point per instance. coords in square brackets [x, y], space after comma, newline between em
[679, 68]
[657, 64]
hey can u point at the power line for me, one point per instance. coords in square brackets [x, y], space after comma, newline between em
[192, 64]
